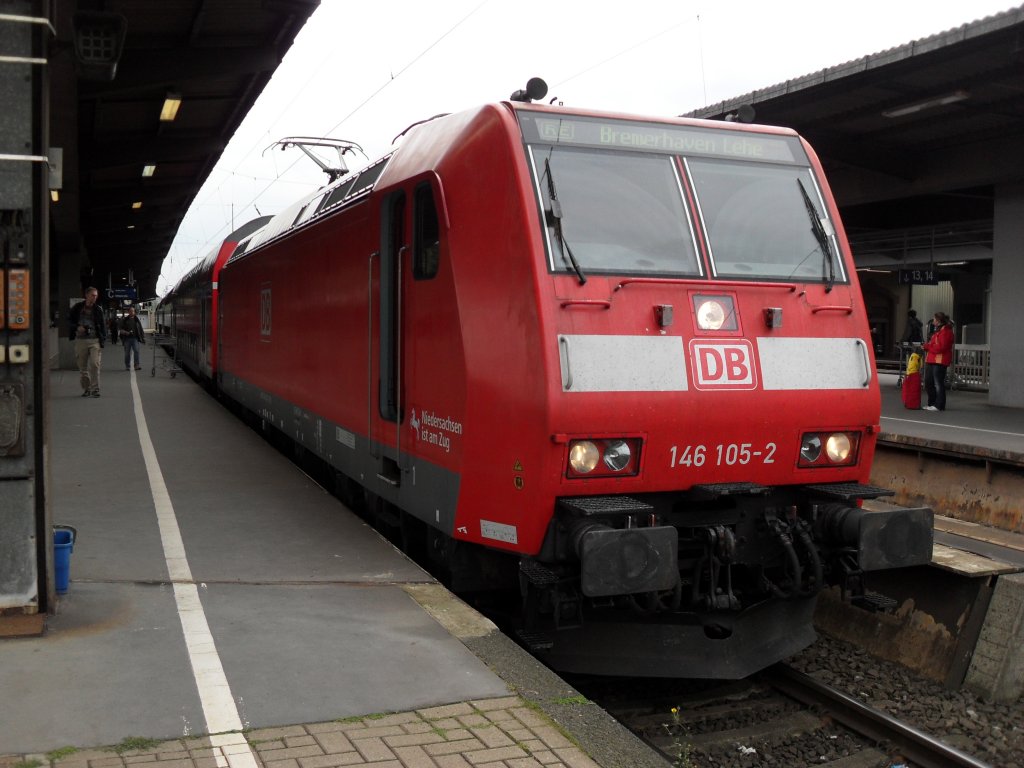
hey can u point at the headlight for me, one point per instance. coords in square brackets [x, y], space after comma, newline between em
[604, 457]
[838, 448]
[617, 455]
[583, 457]
[715, 313]
[710, 316]
[810, 448]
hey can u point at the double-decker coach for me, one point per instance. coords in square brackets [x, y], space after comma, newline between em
[190, 311]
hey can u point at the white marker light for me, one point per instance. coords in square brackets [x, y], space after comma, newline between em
[710, 316]
[583, 457]
[838, 448]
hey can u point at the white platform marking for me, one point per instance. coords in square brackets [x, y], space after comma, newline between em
[219, 708]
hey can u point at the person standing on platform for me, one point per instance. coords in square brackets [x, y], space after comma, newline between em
[940, 356]
[913, 334]
[132, 336]
[113, 328]
[87, 327]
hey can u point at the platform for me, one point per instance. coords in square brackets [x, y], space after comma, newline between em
[969, 427]
[215, 589]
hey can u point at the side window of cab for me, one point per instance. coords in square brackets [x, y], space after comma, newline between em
[426, 235]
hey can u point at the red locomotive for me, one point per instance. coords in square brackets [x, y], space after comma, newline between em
[627, 357]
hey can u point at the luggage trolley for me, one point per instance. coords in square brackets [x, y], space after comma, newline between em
[907, 348]
[167, 344]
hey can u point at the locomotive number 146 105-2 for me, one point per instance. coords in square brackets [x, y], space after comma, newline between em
[723, 454]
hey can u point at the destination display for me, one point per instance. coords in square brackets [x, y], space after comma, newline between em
[655, 137]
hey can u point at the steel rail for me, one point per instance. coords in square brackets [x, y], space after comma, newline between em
[916, 746]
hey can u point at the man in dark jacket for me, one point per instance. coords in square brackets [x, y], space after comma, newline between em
[87, 327]
[914, 331]
[132, 335]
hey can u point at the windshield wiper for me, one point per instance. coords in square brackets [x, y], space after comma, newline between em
[818, 228]
[556, 214]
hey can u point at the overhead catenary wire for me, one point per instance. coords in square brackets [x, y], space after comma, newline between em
[394, 76]
[623, 52]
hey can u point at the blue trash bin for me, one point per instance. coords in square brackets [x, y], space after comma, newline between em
[63, 545]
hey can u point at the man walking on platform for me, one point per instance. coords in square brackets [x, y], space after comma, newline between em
[132, 336]
[87, 327]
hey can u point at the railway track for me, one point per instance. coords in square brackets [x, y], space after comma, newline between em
[779, 718]
[916, 746]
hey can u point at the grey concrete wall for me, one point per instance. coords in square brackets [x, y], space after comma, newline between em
[997, 667]
[16, 114]
[1007, 332]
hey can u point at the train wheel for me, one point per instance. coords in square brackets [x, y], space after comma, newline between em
[349, 492]
[439, 552]
[414, 538]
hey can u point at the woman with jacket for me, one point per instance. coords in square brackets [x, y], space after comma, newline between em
[940, 357]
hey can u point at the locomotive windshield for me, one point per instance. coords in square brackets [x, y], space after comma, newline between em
[626, 197]
[758, 223]
[614, 212]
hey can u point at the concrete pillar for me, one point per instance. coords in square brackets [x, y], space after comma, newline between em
[24, 177]
[67, 257]
[997, 666]
[1006, 385]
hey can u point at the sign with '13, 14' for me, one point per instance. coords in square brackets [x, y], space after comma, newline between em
[919, 277]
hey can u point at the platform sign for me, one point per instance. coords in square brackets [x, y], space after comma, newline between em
[918, 277]
[121, 293]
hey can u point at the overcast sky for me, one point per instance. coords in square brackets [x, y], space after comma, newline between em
[365, 71]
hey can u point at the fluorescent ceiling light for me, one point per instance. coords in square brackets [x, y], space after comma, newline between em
[950, 263]
[148, 170]
[172, 104]
[920, 106]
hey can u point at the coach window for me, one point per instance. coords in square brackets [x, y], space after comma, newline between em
[427, 246]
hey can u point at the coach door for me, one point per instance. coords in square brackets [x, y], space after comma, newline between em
[393, 248]
[409, 256]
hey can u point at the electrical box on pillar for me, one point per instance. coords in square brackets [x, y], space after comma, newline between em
[14, 316]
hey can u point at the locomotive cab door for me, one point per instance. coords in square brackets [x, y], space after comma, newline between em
[409, 258]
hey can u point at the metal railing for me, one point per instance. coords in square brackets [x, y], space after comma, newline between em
[970, 367]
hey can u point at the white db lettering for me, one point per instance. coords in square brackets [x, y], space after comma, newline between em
[723, 364]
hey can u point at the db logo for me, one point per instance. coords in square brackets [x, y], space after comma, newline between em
[723, 364]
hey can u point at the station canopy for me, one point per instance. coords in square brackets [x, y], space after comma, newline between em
[130, 176]
[914, 139]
